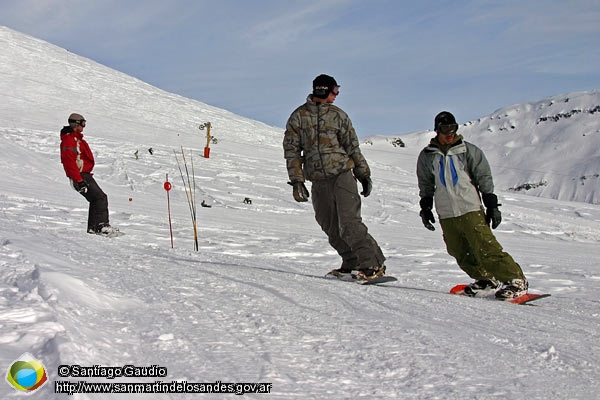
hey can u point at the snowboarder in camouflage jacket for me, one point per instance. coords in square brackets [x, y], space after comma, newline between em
[320, 145]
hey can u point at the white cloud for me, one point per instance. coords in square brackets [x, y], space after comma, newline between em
[290, 23]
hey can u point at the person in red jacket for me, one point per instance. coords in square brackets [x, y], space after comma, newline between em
[78, 162]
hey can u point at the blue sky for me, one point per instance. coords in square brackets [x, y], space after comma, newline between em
[398, 62]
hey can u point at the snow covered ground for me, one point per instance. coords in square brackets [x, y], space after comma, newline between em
[252, 305]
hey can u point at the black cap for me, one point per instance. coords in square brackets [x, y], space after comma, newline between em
[323, 85]
[444, 118]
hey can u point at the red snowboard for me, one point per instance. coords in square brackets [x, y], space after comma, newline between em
[524, 299]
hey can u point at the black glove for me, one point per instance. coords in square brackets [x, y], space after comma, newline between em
[494, 216]
[492, 213]
[300, 191]
[426, 214]
[367, 185]
[81, 187]
[427, 218]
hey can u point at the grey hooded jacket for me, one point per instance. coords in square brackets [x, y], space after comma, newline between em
[320, 142]
[454, 179]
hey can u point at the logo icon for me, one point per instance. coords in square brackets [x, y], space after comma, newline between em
[26, 374]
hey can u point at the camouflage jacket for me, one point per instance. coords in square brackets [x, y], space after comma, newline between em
[320, 142]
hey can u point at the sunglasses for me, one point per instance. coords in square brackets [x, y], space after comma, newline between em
[447, 129]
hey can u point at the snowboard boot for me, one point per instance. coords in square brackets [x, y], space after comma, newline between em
[341, 273]
[482, 285]
[369, 273]
[512, 289]
[345, 270]
[106, 230]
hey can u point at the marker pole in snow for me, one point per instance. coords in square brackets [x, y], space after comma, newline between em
[167, 187]
[206, 125]
[190, 192]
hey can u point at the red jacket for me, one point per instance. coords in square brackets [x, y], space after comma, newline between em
[74, 149]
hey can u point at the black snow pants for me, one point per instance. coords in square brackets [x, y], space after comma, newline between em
[98, 212]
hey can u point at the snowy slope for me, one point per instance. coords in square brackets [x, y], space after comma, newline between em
[251, 304]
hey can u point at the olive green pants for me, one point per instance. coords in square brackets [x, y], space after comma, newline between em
[471, 242]
[337, 208]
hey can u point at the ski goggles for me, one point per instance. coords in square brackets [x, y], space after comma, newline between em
[77, 121]
[335, 90]
[447, 129]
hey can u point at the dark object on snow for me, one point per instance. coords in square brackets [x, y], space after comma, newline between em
[203, 204]
[247, 200]
[397, 142]
[151, 151]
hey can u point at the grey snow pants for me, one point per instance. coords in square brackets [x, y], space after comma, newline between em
[337, 208]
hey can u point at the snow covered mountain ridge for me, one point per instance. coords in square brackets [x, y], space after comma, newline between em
[548, 148]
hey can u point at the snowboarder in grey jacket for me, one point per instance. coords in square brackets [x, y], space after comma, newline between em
[457, 175]
[321, 145]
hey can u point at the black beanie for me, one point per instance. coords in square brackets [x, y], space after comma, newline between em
[443, 118]
[323, 85]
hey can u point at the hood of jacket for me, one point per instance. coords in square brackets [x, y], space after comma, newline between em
[67, 130]
[435, 143]
[314, 106]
